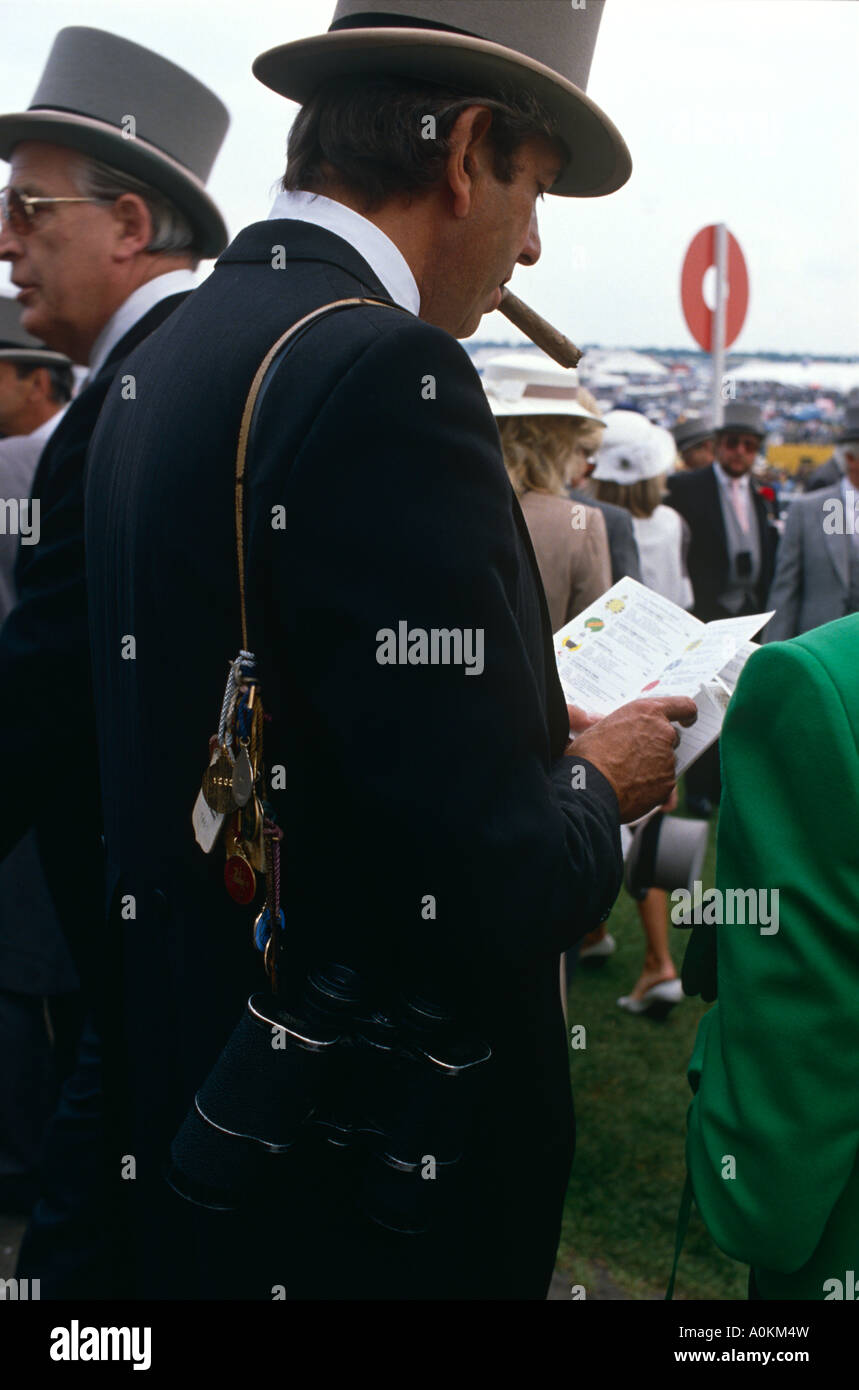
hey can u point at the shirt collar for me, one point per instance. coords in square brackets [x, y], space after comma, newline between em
[47, 427]
[382, 255]
[132, 310]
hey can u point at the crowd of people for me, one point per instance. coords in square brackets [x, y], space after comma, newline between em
[290, 481]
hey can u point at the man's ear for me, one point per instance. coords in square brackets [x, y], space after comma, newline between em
[468, 156]
[132, 224]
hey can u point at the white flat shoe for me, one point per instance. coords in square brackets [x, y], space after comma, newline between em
[600, 949]
[660, 999]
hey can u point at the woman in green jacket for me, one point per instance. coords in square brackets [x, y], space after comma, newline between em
[773, 1137]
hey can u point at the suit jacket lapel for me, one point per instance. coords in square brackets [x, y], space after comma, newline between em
[713, 509]
[837, 546]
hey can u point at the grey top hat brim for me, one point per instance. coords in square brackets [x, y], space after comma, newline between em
[34, 357]
[133, 156]
[600, 161]
[693, 439]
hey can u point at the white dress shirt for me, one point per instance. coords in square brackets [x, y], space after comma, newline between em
[132, 310]
[376, 247]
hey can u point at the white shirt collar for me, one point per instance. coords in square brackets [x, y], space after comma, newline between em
[382, 255]
[132, 310]
[46, 429]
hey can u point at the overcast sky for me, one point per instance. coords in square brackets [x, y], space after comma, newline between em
[743, 111]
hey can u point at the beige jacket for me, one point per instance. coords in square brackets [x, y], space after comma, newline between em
[572, 552]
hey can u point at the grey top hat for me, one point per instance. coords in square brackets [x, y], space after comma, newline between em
[742, 415]
[480, 46]
[92, 83]
[850, 427]
[688, 433]
[16, 345]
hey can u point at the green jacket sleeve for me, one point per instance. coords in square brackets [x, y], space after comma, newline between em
[778, 1091]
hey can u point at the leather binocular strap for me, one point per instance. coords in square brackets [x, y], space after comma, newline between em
[247, 418]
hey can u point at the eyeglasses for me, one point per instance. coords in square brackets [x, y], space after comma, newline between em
[741, 441]
[18, 210]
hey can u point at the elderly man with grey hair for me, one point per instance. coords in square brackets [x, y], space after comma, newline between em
[104, 219]
[817, 575]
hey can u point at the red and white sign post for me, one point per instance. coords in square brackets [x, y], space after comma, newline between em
[715, 329]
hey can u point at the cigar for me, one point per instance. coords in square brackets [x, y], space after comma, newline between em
[550, 339]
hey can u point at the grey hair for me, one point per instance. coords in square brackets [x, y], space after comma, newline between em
[172, 233]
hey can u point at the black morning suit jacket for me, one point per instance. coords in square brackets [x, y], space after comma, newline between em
[696, 497]
[46, 701]
[402, 781]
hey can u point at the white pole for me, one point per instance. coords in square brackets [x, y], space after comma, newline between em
[718, 344]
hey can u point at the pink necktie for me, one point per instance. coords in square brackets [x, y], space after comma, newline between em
[738, 498]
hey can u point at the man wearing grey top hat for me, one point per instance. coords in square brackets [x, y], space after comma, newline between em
[695, 441]
[731, 549]
[105, 216]
[428, 130]
[817, 575]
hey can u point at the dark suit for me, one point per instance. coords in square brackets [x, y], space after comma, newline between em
[621, 536]
[402, 780]
[45, 681]
[696, 497]
[52, 762]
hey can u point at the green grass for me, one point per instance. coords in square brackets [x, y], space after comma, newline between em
[631, 1098]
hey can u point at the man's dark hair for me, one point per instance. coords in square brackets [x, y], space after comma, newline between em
[59, 375]
[374, 134]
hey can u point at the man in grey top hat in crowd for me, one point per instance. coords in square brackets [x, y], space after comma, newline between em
[817, 575]
[427, 132]
[104, 219]
[695, 442]
[832, 471]
[731, 549]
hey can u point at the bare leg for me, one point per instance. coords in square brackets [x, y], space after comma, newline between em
[658, 965]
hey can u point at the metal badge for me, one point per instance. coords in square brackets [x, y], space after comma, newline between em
[218, 783]
[243, 778]
[207, 824]
[240, 880]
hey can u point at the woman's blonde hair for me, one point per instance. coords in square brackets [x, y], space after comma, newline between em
[641, 498]
[538, 449]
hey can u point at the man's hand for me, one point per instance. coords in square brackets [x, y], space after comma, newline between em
[634, 749]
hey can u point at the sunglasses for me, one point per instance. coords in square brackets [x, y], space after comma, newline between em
[18, 210]
[741, 441]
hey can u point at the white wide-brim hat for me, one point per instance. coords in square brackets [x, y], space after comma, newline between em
[633, 450]
[482, 46]
[530, 383]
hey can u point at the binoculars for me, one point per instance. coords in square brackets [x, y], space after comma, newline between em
[395, 1088]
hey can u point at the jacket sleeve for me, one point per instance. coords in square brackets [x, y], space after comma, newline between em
[400, 523]
[774, 1126]
[785, 593]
